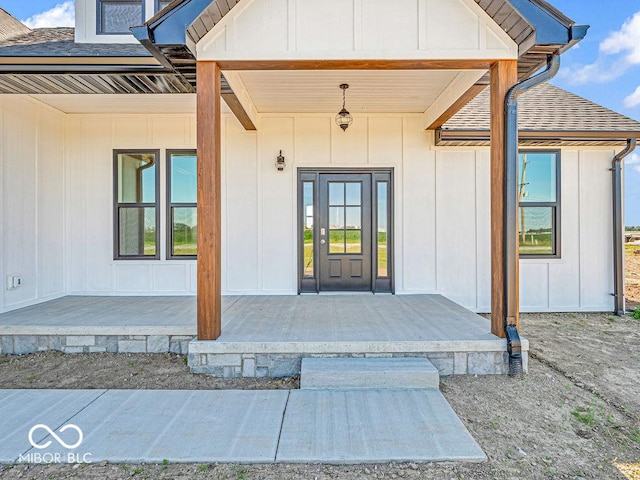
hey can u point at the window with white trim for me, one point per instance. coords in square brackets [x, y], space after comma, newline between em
[117, 16]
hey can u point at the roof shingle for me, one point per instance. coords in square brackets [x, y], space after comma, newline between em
[59, 42]
[545, 108]
[10, 27]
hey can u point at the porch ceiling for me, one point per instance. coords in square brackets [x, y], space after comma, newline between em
[406, 91]
[116, 104]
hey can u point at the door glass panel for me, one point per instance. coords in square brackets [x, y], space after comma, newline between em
[336, 217]
[354, 194]
[354, 241]
[383, 215]
[336, 193]
[336, 241]
[307, 200]
[354, 217]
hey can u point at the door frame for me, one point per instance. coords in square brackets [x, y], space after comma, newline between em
[307, 284]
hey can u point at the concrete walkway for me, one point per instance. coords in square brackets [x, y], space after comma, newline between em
[135, 426]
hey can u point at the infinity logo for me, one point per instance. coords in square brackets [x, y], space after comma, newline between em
[58, 439]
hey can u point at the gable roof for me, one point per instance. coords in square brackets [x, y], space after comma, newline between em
[10, 27]
[535, 26]
[547, 115]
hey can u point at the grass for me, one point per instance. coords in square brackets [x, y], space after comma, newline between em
[636, 313]
[585, 416]
[241, 473]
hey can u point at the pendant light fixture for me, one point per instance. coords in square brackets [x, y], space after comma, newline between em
[344, 118]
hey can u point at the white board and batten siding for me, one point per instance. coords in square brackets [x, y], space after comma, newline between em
[32, 214]
[356, 29]
[56, 173]
[442, 210]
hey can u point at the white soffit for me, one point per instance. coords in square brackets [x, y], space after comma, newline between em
[119, 104]
[382, 91]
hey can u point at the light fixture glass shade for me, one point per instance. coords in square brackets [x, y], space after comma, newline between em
[344, 119]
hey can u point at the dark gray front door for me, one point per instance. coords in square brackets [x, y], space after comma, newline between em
[344, 217]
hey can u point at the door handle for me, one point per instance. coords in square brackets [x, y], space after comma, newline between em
[323, 232]
[323, 241]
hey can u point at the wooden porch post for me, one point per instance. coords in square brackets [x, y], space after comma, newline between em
[209, 201]
[504, 74]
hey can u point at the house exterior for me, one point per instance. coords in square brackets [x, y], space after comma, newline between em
[103, 193]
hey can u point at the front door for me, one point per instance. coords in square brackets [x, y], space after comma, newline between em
[345, 230]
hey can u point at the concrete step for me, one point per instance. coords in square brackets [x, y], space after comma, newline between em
[346, 373]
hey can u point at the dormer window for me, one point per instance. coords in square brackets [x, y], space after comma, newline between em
[116, 16]
[160, 4]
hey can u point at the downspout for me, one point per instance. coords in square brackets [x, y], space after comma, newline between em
[618, 227]
[514, 346]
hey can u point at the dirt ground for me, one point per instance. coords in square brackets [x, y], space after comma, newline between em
[576, 415]
[632, 280]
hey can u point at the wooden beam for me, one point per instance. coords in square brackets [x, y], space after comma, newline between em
[232, 101]
[504, 74]
[209, 201]
[373, 64]
[456, 106]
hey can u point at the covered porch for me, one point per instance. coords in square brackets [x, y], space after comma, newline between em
[264, 335]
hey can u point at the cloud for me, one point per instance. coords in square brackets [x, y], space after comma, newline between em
[62, 15]
[626, 41]
[633, 100]
[618, 52]
[597, 72]
[633, 161]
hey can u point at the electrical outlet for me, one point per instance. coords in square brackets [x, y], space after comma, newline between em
[14, 281]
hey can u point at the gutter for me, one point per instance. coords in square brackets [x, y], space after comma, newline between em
[510, 220]
[618, 227]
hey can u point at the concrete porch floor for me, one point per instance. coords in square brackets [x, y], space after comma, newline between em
[263, 335]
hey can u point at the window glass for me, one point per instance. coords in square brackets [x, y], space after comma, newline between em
[336, 193]
[183, 211]
[136, 178]
[183, 178]
[535, 227]
[538, 195]
[383, 215]
[185, 231]
[161, 5]
[136, 204]
[307, 193]
[537, 177]
[116, 16]
[137, 227]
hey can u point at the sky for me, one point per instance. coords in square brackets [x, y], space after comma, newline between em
[604, 67]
